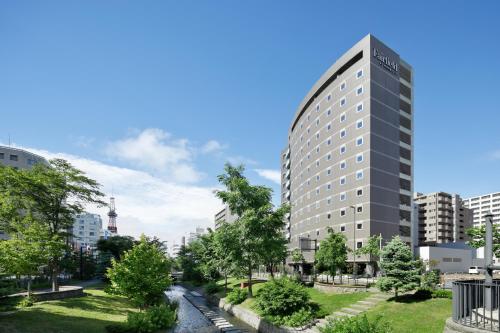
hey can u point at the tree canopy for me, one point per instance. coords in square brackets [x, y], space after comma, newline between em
[332, 253]
[478, 234]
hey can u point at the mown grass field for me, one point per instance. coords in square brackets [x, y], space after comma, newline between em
[425, 316]
[88, 314]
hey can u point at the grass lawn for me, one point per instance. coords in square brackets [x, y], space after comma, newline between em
[427, 316]
[328, 303]
[73, 315]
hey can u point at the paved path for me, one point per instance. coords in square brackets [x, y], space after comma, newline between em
[352, 310]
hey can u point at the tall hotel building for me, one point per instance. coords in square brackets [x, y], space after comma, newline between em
[348, 164]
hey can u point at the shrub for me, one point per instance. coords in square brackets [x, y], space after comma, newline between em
[299, 318]
[357, 324]
[282, 297]
[441, 293]
[26, 302]
[422, 294]
[211, 287]
[430, 279]
[154, 318]
[237, 296]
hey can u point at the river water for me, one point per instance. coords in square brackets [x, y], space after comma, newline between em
[191, 320]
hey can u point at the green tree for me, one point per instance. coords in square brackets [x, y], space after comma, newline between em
[372, 249]
[477, 235]
[226, 249]
[260, 226]
[142, 274]
[53, 195]
[116, 245]
[332, 253]
[401, 270]
[27, 249]
[297, 257]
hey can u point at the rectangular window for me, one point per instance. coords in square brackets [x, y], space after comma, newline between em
[359, 226]
[342, 101]
[2, 156]
[342, 149]
[317, 107]
[359, 192]
[342, 117]
[342, 196]
[14, 157]
[359, 74]
[342, 212]
[359, 107]
[342, 228]
[329, 172]
[328, 127]
[343, 133]
[359, 209]
[329, 142]
[328, 157]
[359, 174]
[359, 245]
[359, 90]
[359, 141]
[342, 86]
[359, 124]
[359, 158]
[328, 112]
[342, 180]
[343, 165]
[329, 97]
[328, 216]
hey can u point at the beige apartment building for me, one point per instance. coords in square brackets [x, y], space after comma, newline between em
[224, 215]
[442, 218]
[348, 164]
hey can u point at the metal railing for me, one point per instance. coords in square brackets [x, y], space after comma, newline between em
[476, 304]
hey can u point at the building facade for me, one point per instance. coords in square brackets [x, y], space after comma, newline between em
[87, 229]
[482, 204]
[442, 218]
[348, 164]
[226, 215]
[19, 158]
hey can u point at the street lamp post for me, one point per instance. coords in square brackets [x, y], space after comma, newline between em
[354, 241]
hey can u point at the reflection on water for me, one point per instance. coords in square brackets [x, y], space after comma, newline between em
[190, 320]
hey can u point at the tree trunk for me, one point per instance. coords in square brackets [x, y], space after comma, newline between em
[225, 283]
[250, 293]
[396, 292]
[55, 284]
[29, 285]
[272, 271]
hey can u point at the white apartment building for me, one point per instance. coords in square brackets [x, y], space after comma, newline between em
[87, 229]
[483, 204]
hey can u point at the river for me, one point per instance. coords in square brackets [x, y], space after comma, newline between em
[191, 320]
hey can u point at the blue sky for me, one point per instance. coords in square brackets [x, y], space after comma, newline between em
[199, 83]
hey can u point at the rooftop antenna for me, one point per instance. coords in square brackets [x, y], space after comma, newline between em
[112, 216]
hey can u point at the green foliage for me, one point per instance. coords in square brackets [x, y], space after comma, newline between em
[430, 279]
[116, 245]
[260, 227]
[442, 293]
[402, 272]
[477, 235]
[212, 287]
[189, 259]
[332, 253]
[8, 287]
[237, 296]
[26, 302]
[226, 249]
[142, 275]
[153, 319]
[52, 195]
[357, 324]
[297, 256]
[285, 302]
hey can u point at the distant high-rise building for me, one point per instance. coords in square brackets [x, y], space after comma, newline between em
[192, 236]
[224, 215]
[87, 230]
[442, 218]
[112, 216]
[348, 164]
[482, 204]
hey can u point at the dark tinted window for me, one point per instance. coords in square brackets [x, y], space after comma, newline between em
[405, 73]
[405, 91]
[405, 122]
[405, 106]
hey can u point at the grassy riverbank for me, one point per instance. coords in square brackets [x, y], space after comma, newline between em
[91, 313]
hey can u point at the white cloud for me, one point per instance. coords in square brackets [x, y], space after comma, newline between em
[146, 203]
[212, 146]
[156, 150]
[272, 175]
[495, 155]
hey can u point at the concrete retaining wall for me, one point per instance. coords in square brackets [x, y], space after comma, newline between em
[64, 292]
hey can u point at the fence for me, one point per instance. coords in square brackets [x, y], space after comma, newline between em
[476, 304]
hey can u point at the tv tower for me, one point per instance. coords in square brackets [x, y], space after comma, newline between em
[112, 216]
